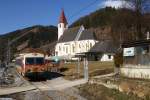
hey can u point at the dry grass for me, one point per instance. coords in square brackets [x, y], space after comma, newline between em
[99, 92]
[95, 68]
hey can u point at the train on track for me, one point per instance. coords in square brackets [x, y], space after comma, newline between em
[32, 63]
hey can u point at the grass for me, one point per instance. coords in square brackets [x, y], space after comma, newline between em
[95, 68]
[99, 92]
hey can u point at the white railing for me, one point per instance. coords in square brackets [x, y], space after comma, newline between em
[79, 33]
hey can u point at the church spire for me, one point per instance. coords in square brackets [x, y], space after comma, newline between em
[62, 25]
[62, 18]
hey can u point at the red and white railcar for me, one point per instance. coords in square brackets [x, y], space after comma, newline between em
[30, 63]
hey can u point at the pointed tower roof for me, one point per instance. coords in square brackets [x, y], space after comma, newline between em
[62, 18]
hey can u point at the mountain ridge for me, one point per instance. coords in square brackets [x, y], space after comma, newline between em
[35, 37]
[116, 24]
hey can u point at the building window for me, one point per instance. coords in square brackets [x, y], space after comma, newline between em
[145, 49]
[109, 56]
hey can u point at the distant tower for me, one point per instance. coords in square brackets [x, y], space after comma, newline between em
[62, 25]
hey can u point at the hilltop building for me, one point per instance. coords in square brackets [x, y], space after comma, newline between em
[72, 41]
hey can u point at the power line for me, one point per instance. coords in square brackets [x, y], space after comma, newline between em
[78, 12]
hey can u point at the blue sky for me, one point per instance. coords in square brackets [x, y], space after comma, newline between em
[18, 14]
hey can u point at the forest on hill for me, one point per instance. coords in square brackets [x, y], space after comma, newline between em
[115, 24]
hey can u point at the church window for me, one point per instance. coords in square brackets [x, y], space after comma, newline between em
[90, 45]
[87, 46]
[66, 49]
[73, 48]
[59, 48]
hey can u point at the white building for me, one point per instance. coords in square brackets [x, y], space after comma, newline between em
[103, 50]
[73, 40]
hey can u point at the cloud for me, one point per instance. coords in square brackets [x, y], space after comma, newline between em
[115, 4]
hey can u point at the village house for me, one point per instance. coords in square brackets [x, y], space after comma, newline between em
[72, 41]
[136, 59]
[103, 51]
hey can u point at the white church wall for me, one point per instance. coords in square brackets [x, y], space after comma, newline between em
[73, 47]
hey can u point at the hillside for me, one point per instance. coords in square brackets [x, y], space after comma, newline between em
[36, 36]
[115, 24]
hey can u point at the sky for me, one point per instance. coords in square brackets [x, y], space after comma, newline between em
[18, 14]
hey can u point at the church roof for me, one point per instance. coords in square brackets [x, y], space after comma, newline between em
[62, 18]
[71, 34]
[104, 47]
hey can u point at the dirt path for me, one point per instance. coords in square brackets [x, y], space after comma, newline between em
[61, 89]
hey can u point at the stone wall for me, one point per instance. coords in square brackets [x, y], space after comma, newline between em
[135, 71]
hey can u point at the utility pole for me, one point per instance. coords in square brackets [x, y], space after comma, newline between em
[9, 46]
[8, 52]
[78, 67]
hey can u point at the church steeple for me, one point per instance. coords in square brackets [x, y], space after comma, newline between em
[62, 25]
[62, 18]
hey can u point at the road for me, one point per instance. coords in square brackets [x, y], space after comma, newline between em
[55, 84]
[58, 84]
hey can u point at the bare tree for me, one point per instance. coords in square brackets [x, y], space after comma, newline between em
[140, 7]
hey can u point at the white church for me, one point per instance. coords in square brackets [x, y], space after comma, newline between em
[72, 41]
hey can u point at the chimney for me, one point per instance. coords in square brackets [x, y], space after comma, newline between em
[148, 35]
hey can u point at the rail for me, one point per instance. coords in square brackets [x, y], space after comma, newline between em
[40, 90]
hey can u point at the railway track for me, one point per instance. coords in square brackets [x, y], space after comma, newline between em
[50, 89]
[42, 91]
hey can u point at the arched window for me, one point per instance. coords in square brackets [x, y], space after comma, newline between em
[73, 48]
[66, 49]
[87, 47]
[79, 46]
[59, 48]
[90, 45]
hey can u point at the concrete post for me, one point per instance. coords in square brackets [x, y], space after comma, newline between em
[78, 69]
[86, 75]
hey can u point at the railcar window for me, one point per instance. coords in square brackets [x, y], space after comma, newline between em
[29, 60]
[39, 60]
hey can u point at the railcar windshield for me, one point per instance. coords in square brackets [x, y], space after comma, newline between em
[39, 60]
[35, 61]
[29, 61]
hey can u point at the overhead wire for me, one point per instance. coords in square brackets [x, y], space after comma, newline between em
[82, 9]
